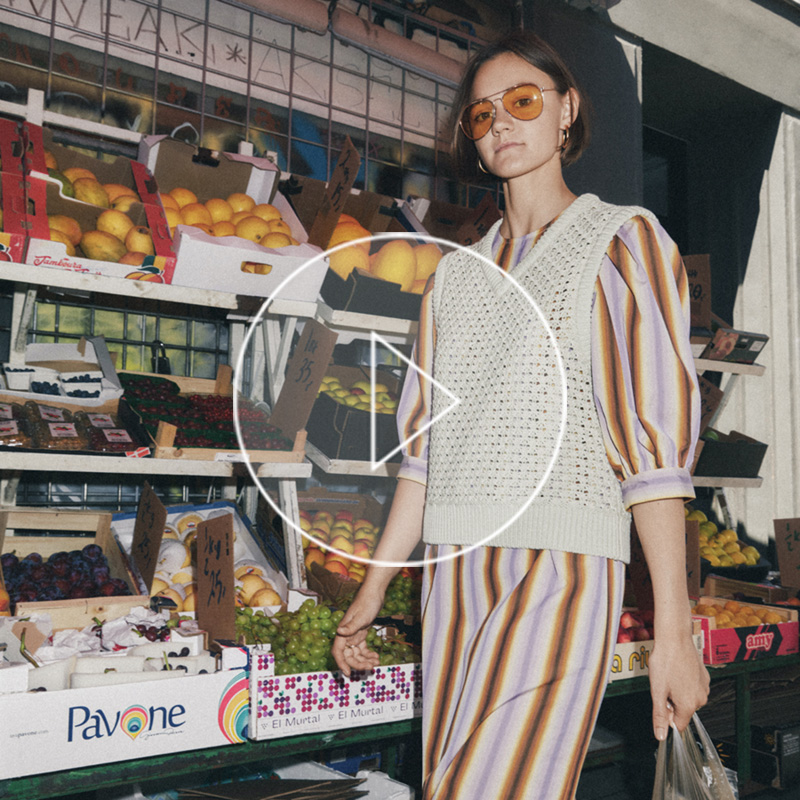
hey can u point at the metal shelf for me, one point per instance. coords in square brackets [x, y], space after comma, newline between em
[710, 365]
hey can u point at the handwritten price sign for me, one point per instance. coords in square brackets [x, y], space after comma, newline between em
[787, 545]
[698, 271]
[151, 519]
[216, 611]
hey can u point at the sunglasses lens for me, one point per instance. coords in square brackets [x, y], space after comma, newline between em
[524, 102]
[477, 119]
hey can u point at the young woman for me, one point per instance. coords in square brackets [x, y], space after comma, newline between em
[522, 595]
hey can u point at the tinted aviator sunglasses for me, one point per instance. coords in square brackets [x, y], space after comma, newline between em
[524, 101]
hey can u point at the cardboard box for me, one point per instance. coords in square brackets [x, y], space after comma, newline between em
[361, 293]
[632, 659]
[270, 527]
[89, 354]
[457, 224]
[57, 730]
[164, 438]
[230, 263]
[287, 705]
[783, 744]
[12, 147]
[44, 198]
[121, 170]
[70, 613]
[734, 455]
[725, 645]
[343, 432]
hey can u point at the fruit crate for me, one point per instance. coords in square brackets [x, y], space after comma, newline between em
[79, 612]
[750, 642]
[165, 433]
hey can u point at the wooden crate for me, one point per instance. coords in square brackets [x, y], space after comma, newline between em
[70, 613]
[222, 385]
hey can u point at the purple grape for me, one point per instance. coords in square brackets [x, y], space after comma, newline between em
[9, 560]
[93, 552]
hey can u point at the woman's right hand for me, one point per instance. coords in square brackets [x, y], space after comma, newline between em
[349, 645]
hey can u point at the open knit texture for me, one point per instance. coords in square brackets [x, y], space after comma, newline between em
[515, 429]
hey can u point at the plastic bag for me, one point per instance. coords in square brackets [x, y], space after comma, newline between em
[686, 770]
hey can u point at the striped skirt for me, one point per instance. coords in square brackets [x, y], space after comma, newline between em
[517, 645]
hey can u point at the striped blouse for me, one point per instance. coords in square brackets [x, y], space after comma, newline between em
[643, 376]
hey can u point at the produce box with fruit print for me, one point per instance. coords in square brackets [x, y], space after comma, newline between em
[735, 631]
[233, 229]
[74, 573]
[93, 239]
[340, 421]
[256, 583]
[295, 689]
[90, 180]
[140, 714]
[381, 276]
[192, 418]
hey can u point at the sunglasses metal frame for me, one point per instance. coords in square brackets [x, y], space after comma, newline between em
[500, 96]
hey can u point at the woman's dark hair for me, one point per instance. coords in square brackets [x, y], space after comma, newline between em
[541, 55]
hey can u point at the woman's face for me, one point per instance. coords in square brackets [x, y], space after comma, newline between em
[514, 147]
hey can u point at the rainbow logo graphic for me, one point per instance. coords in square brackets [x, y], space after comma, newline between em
[234, 709]
[133, 721]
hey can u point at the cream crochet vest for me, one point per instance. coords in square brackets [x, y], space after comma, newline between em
[519, 454]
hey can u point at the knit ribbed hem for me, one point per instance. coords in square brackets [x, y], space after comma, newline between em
[657, 484]
[543, 526]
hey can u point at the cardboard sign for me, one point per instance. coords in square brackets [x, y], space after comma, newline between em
[698, 271]
[151, 519]
[710, 398]
[339, 186]
[486, 214]
[304, 374]
[693, 557]
[216, 609]
[787, 544]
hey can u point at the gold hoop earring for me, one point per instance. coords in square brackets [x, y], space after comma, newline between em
[482, 168]
[564, 138]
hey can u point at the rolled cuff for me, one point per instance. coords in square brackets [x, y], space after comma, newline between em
[657, 484]
[414, 469]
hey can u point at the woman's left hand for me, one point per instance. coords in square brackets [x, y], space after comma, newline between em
[679, 682]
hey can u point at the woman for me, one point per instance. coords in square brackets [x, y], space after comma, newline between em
[519, 629]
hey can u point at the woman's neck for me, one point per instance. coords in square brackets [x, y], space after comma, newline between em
[531, 203]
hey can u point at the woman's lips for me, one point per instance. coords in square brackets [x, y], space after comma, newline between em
[505, 146]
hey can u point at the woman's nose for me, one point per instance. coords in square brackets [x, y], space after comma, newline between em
[502, 119]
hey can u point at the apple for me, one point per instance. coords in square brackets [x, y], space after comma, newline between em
[5, 603]
[624, 635]
[362, 549]
[347, 516]
[342, 543]
[320, 534]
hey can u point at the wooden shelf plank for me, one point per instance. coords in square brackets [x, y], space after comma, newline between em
[709, 365]
[713, 482]
[334, 466]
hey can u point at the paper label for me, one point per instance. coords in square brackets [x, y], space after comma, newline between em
[117, 435]
[698, 271]
[151, 519]
[100, 420]
[216, 609]
[6, 411]
[787, 545]
[50, 414]
[62, 430]
[9, 428]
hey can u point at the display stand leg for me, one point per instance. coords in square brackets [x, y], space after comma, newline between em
[743, 727]
[287, 499]
[21, 318]
[719, 494]
[8, 489]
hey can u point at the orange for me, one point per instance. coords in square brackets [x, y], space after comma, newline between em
[238, 216]
[223, 228]
[173, 218]
[194, 213]
[115, 190]
[266, 211]
[168, 201]
[219, 209]
[183, 196]
[279, 226]
[59, 236]
[418, 287]
[73, 173]
[252, 228]
[275, 240]
[68, 226]
[427, 258]
[395, 262]
[239, 201]
[50, 160]
[344, 261]
[347, 232]
[347, 218]
[733, 606]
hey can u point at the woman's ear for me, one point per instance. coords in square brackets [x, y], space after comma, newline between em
[569, 110]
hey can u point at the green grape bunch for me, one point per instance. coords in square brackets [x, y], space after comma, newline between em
[301, 640]
[403, 597]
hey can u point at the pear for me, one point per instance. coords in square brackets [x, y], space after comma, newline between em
[115, 222]
[102, 246]
[90, 191]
